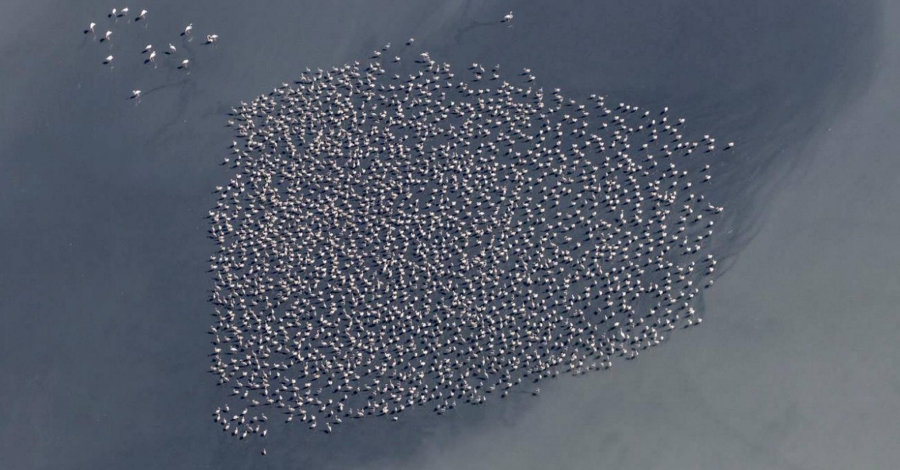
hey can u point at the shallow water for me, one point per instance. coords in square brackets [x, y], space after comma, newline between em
[103, 285]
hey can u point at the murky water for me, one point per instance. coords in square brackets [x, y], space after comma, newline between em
[104, 282]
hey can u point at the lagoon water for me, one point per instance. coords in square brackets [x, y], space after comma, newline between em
[103, 236]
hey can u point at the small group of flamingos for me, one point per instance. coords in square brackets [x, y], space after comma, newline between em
[148, 50]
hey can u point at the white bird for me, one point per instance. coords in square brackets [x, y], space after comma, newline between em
[113, 14]
[152, 56]
[123, 12]
[108, 59]
[508, 17]
[212, 38]
[107, 35]
[147, 49]
[184, 63]
[172, 49]
[90, 28]
[135, 94]
[187, 29]
[142, 15]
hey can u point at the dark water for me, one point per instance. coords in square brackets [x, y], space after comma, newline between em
[103, 259]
